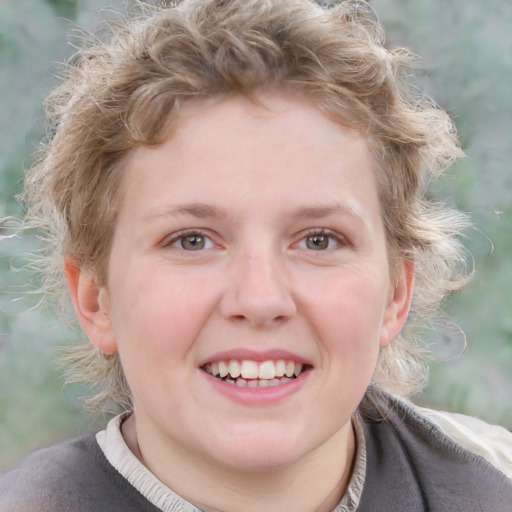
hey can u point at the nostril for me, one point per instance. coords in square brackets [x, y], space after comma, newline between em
[259, 321]
[247, 303]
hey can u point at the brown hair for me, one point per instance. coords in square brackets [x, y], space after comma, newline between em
[127, 91]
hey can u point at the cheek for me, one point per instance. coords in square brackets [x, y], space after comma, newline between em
[159, 310]
[348, 303]
[156, 322]
[347, 318]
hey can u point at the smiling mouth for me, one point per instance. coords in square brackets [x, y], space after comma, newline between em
[253, 374]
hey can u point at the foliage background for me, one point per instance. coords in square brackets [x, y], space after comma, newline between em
[466, 65]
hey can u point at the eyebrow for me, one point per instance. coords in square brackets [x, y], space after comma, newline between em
[203, 211]
[199, 210]
[319, 212]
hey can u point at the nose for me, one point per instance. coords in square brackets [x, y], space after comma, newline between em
[259, 291]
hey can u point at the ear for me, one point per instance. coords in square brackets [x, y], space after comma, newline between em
[91, 305]
[399, 302]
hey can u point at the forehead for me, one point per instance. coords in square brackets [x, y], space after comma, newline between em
[236, 152]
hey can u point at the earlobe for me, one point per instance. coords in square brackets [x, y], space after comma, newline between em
[399, 302]
[91, 305]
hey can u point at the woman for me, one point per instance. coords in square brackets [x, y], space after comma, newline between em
[235, 197]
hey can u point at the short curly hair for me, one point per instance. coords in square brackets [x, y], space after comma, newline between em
[127, 90]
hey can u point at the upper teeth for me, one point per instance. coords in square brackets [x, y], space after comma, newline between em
[247, 369]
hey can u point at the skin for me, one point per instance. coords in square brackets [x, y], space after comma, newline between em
[259, 185]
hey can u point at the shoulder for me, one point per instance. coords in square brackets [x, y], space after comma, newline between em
[46, 474]
[492, 442]
[46, 463]
[73, 475]
[428, 460]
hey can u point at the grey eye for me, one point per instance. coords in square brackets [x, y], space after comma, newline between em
[192, 242]
[317, 242]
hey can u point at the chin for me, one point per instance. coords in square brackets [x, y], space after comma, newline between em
[256, 455]
[259, 462]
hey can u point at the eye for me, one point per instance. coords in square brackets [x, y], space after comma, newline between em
[190, 241]
[321, 241]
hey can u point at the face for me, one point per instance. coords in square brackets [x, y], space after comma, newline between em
[249, 288]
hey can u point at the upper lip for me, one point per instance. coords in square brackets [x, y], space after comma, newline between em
[253, 355]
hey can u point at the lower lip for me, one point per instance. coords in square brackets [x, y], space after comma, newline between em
[256, 396]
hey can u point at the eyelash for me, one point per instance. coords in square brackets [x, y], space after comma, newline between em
[175, 238]
[322, 232]
[188, 233]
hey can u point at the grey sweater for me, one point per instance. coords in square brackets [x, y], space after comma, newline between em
[411, 466]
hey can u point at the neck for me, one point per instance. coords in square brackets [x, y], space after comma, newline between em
[315, 483]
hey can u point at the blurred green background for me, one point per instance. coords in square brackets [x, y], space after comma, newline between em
[466, 65]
